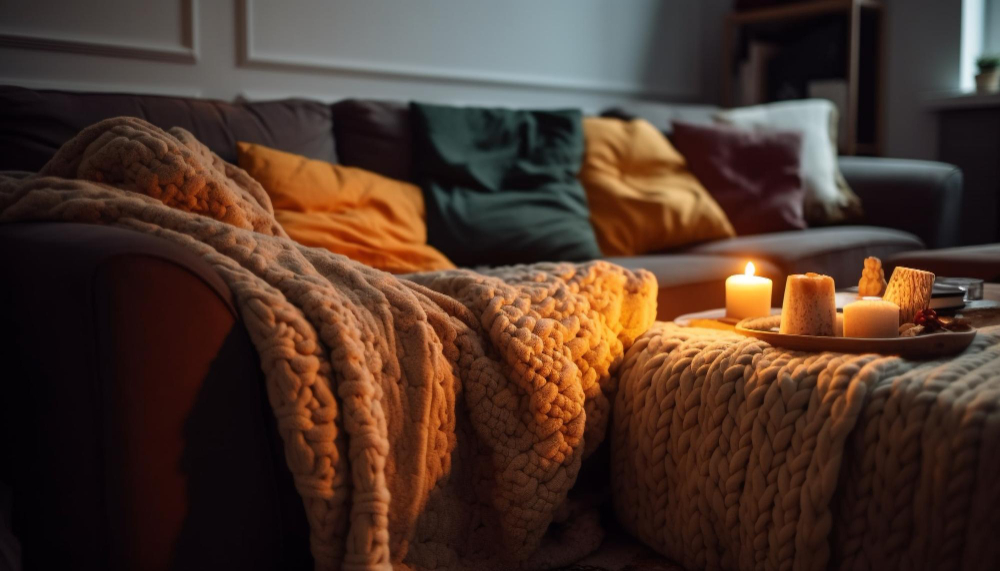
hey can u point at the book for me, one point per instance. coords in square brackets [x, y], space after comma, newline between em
[943, 296]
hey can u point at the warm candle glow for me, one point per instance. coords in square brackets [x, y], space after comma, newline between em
[748, 295]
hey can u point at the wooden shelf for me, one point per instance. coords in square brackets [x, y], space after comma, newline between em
[863, 108]
[799, 10]
[952, 101]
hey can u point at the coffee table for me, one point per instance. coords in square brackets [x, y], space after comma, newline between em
[984, 312]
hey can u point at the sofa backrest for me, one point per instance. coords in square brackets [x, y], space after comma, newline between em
[34, 123]
[375, 135]
[370, 134]
[662, 115]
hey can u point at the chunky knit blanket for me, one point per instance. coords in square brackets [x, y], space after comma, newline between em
[729, 453]
[432, 422]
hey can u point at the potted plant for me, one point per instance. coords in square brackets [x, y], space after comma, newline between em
[988, 80]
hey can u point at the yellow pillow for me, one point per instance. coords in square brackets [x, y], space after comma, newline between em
[642, 196]
[375, 220]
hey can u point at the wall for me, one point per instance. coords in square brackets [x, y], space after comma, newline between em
[586, 53]
[991, 31]
[924, 55]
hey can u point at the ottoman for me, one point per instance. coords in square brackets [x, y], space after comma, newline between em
[730, 453]
[981, 262]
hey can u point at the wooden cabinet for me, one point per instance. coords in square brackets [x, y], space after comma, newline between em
[969, 137]
[812, 48]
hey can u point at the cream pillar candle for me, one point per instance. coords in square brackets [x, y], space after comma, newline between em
[810, 306]
[872, 318]
[748, 295]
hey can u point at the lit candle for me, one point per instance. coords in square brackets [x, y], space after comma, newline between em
[810, 306]
[748, 295]
[872, 318]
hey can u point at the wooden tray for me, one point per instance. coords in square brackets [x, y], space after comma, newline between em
[921, 347]
[717, 314]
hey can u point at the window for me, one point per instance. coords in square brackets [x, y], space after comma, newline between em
[980, 35]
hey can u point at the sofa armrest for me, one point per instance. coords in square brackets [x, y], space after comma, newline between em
[920, 197]
[129, 366]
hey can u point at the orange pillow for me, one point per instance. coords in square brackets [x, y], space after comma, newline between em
[642, 196]
[366, 217]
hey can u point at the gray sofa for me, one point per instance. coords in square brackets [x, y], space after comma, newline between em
[128, 341]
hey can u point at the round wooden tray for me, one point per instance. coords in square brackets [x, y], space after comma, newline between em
[921, 347]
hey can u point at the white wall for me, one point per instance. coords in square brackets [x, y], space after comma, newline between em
[924, 58]
[991, 32]
[586, 53]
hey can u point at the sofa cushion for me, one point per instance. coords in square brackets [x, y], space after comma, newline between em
[375, 135]
[828, 198]
[34, 124]
[836, 251]
[375, 220]
[642, 196]
[752, 173]
[500, 184]
[690, 283]
[981, 262]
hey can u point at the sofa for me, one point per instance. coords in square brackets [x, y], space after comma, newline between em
[111, 466]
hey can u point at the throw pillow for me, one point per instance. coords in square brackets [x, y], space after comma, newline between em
[642, 196]
[366, 217]
[374, 135]
[500, 184]
[752, 173]
[828, 198]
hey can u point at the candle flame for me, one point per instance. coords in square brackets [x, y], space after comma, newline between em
[750, 269]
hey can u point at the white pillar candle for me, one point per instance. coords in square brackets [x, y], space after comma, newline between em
[748, 295]
[871, 318]
[810, 306]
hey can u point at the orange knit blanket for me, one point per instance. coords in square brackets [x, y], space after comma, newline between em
[432, 422]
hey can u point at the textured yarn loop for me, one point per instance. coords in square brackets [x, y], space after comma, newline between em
[432, 422]
[729, 453]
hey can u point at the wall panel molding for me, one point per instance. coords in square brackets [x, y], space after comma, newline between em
[185, 52]
[250, 57]
[104, 87]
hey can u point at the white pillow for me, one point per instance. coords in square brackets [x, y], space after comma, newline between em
[828, 198]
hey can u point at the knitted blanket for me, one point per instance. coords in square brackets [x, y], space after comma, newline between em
[729, 453]
[432, 422]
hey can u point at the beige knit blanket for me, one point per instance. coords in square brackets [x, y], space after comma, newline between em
[432, 422]
[729, 453]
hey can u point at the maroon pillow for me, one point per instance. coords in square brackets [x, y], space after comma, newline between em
[377, 136]
[752, 174]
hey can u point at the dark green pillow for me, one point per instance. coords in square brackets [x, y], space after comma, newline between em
[500, 184]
